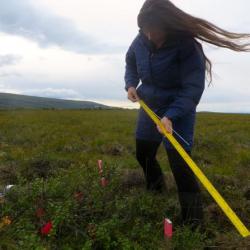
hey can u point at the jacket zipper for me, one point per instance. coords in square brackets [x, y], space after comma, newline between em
[150, 65]
[151, 72]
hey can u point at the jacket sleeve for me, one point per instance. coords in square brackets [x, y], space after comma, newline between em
[131, 76]
[192, 77]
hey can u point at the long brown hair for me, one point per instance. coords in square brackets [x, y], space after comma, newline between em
[165, 15]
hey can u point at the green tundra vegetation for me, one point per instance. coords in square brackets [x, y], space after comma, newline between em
[58, 202]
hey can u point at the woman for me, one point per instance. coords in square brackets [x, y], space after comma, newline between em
[171, 65]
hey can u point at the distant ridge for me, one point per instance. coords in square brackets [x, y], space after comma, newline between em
[16, 101]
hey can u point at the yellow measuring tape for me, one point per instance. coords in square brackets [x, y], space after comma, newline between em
[203, 179]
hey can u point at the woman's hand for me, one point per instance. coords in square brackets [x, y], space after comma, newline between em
[167, 123]
[132, 95]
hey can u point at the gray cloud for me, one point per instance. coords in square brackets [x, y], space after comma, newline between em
[11, 74]
[62, 93]
[224, 95]
[78, 89]
[9, 59]
[40, 25]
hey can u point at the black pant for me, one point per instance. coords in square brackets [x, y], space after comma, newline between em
[189, 192]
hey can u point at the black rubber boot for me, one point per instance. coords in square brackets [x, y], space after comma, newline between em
[146, 156]
[188, 190]
[191, 209]
[155, 178]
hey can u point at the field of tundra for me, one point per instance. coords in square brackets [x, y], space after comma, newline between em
[58, 202]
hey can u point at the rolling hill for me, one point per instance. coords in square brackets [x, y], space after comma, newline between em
[15, 101]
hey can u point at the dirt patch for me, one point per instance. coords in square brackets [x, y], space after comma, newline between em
[132, 177]
[113, 149]
[223, 180]
[247, 193]
[135, 177]
[8, 173]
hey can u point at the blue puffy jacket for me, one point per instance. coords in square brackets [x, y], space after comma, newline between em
[172, 82]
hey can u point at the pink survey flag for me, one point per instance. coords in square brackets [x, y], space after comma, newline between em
[168, 228]
[104, 181]
[99, 162]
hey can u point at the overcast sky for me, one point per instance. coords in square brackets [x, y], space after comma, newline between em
[75, 49]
